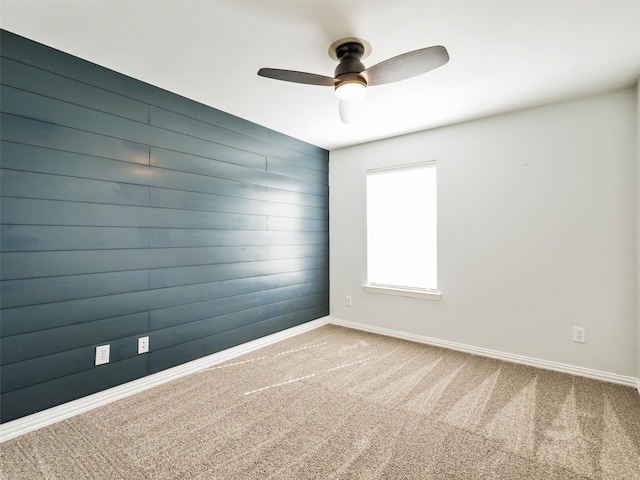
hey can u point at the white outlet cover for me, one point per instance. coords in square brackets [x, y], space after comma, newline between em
[102, 354]
[143, 345]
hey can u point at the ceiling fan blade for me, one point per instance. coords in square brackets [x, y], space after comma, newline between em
[297, 77]
[406, 65]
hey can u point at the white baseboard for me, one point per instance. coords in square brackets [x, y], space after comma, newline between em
[52, 415]
[485, 352]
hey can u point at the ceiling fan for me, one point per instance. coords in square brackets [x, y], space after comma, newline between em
[351, 78]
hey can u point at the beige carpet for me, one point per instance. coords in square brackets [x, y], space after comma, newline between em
[340, 404]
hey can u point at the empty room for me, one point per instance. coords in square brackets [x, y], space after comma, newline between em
[320, 239]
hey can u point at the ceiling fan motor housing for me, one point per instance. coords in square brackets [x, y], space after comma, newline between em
[350, 66]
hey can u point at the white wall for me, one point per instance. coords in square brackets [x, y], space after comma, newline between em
[537, 214]
[638, 230]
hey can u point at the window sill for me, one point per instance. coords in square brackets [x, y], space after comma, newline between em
[403, 292]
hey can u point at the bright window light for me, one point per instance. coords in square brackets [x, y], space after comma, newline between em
[402, 227]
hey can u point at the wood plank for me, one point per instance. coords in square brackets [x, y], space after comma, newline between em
[54, 212]
[176, 276]
[47, 159]
[296, 318]
[33, 291]
[300, 277]
[53, 114]
[171, 277]
[17, 265]
[255, 330]
[32, 318]
[44, 57]
[278, 252]
[43, 160]
[29, 131]
[184, 352]
[225, 166]
[257, 175]
[299, 264]
[17, 348]
[25, 238]
[18, 403]
[296, 291]
[58, 365]
[176, 122]
[26, 77]
[187, 332]
[297, 224]
[172, 237]
[171, 316]
[297, 171]
[169, 198]
[288, 269]
[297, 198]
[297, 304]
[297, 145]
[16, 183]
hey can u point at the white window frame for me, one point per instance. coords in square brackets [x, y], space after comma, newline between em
[404, 291]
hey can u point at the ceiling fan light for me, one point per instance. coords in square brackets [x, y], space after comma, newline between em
[351, 90]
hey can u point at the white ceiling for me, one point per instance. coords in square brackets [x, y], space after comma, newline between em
[505, 54]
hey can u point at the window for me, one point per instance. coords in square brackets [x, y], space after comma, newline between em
[402, 231]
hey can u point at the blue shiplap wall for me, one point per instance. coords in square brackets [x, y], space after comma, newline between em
[127, 211]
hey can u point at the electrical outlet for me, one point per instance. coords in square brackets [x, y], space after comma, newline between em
[349, 301]
[143, 345]
[102, 354]
[579, 334]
